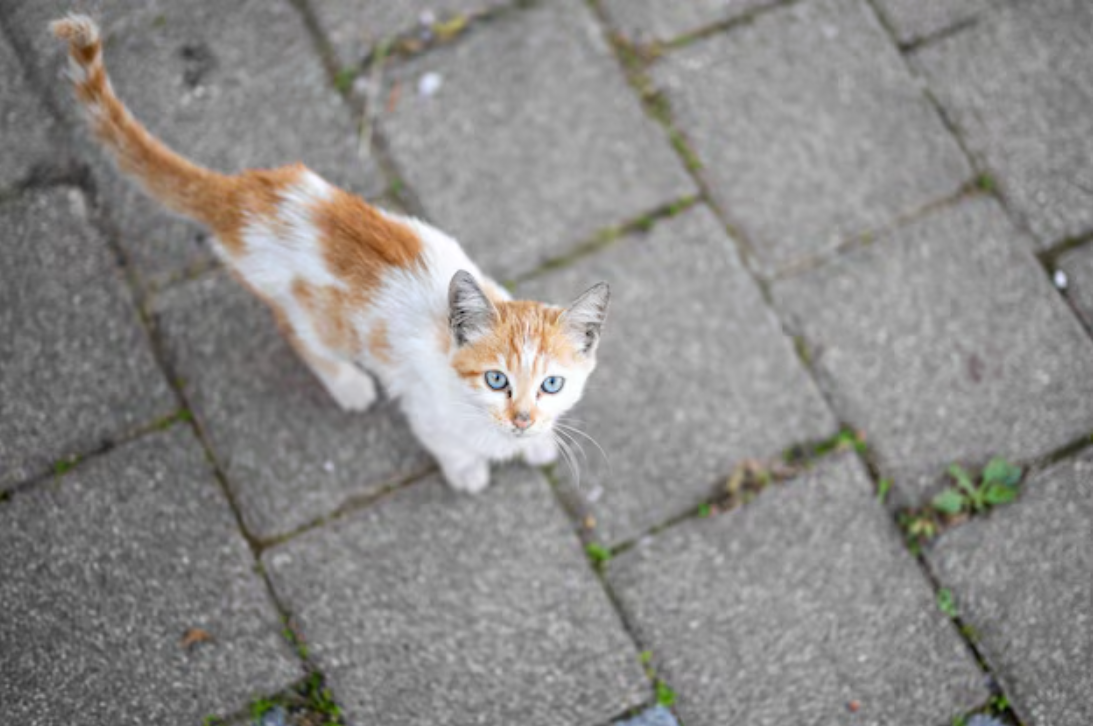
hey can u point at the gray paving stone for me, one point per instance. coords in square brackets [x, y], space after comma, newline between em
[694, 375]
[945, 341]
[431, 606]
[76, 369]
[290, 454]
[1020, 577]
[534, 140]
[810, 128]
[1019, 86]
[28, 130]
[790, 608]
[231, 85]
[655, 20]
[914, 20]
[105, 571]
[353, 27]
[1078, 266]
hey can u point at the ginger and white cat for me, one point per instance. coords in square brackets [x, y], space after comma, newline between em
[479, 376]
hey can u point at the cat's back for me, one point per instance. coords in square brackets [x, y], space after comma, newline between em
[295, 227]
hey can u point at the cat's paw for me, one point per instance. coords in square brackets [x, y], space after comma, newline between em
[541, 451]
[352, 390]
[469, 478]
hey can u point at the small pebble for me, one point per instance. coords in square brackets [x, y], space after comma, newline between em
[328, 467]
[595, 493]
[429, 84]
[982, 719]
[1060, 279]
[273, 717]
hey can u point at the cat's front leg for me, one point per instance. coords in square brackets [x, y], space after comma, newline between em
[541, 450]
[463, 469]
[466, 473]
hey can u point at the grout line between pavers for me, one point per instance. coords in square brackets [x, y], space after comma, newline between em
[967, 634]
[76, 460]
[607, 237]
[599, 572]
[929, 39]
[984, 175]
[970, 190]
[656, 106]
[1050, 256]
[349, 506]
[722, 26]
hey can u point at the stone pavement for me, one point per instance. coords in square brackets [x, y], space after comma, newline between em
[817, 216]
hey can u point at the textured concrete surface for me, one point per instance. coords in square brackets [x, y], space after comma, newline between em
[76, 369]
[29, 132]
[810, 129]
[1026, 114]
[482, 609]
[291, 455]
[648, 21]
[533, 142]
[1078, 266]
[694, 375]
[104, 573]
[1021, 578]
[917, 20]
[231, 86]
[787, 610]
[945, 341]
[354, 27]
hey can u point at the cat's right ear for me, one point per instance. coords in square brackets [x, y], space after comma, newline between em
[470, 312]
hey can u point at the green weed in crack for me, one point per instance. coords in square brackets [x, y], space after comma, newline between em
[308, 703]
[598, 554]
[997, 484]
[997, 709]
[65, 465]
[665, 695]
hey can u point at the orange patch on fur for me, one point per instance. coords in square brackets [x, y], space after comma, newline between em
[378, 345]
[359, 242]
[329, 309]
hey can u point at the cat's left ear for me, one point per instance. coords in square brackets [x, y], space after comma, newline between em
[470, 312]
[583, 320]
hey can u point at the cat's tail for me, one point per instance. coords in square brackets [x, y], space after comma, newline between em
[179, 184]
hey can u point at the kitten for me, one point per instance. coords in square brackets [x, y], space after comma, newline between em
[479, 376]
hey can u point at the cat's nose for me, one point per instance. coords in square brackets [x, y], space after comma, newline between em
[521, 420]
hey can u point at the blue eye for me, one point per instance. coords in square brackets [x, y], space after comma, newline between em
[553, 384]
[496, 380]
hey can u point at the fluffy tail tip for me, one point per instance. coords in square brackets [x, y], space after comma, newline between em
[79, 30]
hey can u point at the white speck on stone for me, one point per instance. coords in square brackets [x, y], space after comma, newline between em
[595, 493]
[281, 559]
[429, 84]
[361, 86]
[1059, 278]
[830, 31]
[427, 18]
[328, 467]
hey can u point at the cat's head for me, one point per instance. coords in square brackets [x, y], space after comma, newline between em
[523, 364]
